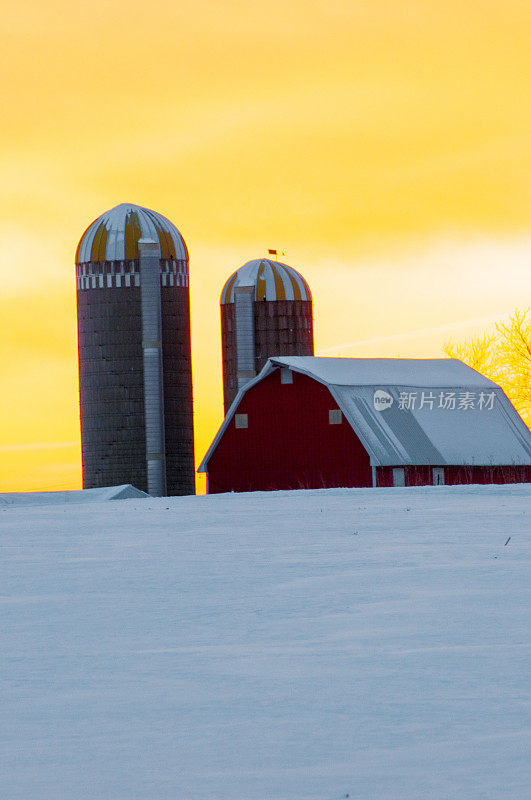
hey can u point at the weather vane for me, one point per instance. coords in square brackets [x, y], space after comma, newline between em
[275, 253]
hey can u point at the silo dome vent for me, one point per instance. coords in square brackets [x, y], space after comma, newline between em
[114, 236]
[271, 280]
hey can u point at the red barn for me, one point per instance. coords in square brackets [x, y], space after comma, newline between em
[307, 423]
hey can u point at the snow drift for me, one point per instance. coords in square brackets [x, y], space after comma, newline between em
[125, 492]
[295, 646]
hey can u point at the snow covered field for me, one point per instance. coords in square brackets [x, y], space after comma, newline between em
[291, 645]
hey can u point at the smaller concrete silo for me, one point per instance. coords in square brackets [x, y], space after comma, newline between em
[266, 310]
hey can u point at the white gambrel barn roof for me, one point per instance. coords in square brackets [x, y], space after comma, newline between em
[433, 372]
[413, 411]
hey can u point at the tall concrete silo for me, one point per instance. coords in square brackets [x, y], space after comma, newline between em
[266, 310]
[135, 365]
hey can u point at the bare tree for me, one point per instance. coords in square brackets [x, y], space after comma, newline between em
[479, 352]
[503, 356]
[515, 346]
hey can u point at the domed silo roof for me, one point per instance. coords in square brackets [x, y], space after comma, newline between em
[114, 235]
[271, 279]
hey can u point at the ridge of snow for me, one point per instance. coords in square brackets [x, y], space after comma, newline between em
[303, 645]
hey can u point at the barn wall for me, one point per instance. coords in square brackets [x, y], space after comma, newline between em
[289, 442]
[505, 474]
[423, 476]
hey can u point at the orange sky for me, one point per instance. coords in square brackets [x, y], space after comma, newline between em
[383, 145]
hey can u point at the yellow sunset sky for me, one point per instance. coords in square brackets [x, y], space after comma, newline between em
[383, 145]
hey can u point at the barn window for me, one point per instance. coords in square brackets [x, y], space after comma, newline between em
[399, 478]
[438, 476]
[241, 421]
[286, 375]
[335, 417]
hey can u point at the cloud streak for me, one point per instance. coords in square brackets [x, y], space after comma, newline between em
[14, 448]
[412, 334]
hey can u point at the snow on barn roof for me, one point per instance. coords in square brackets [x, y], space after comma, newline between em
[413, 411]
[428, 372]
